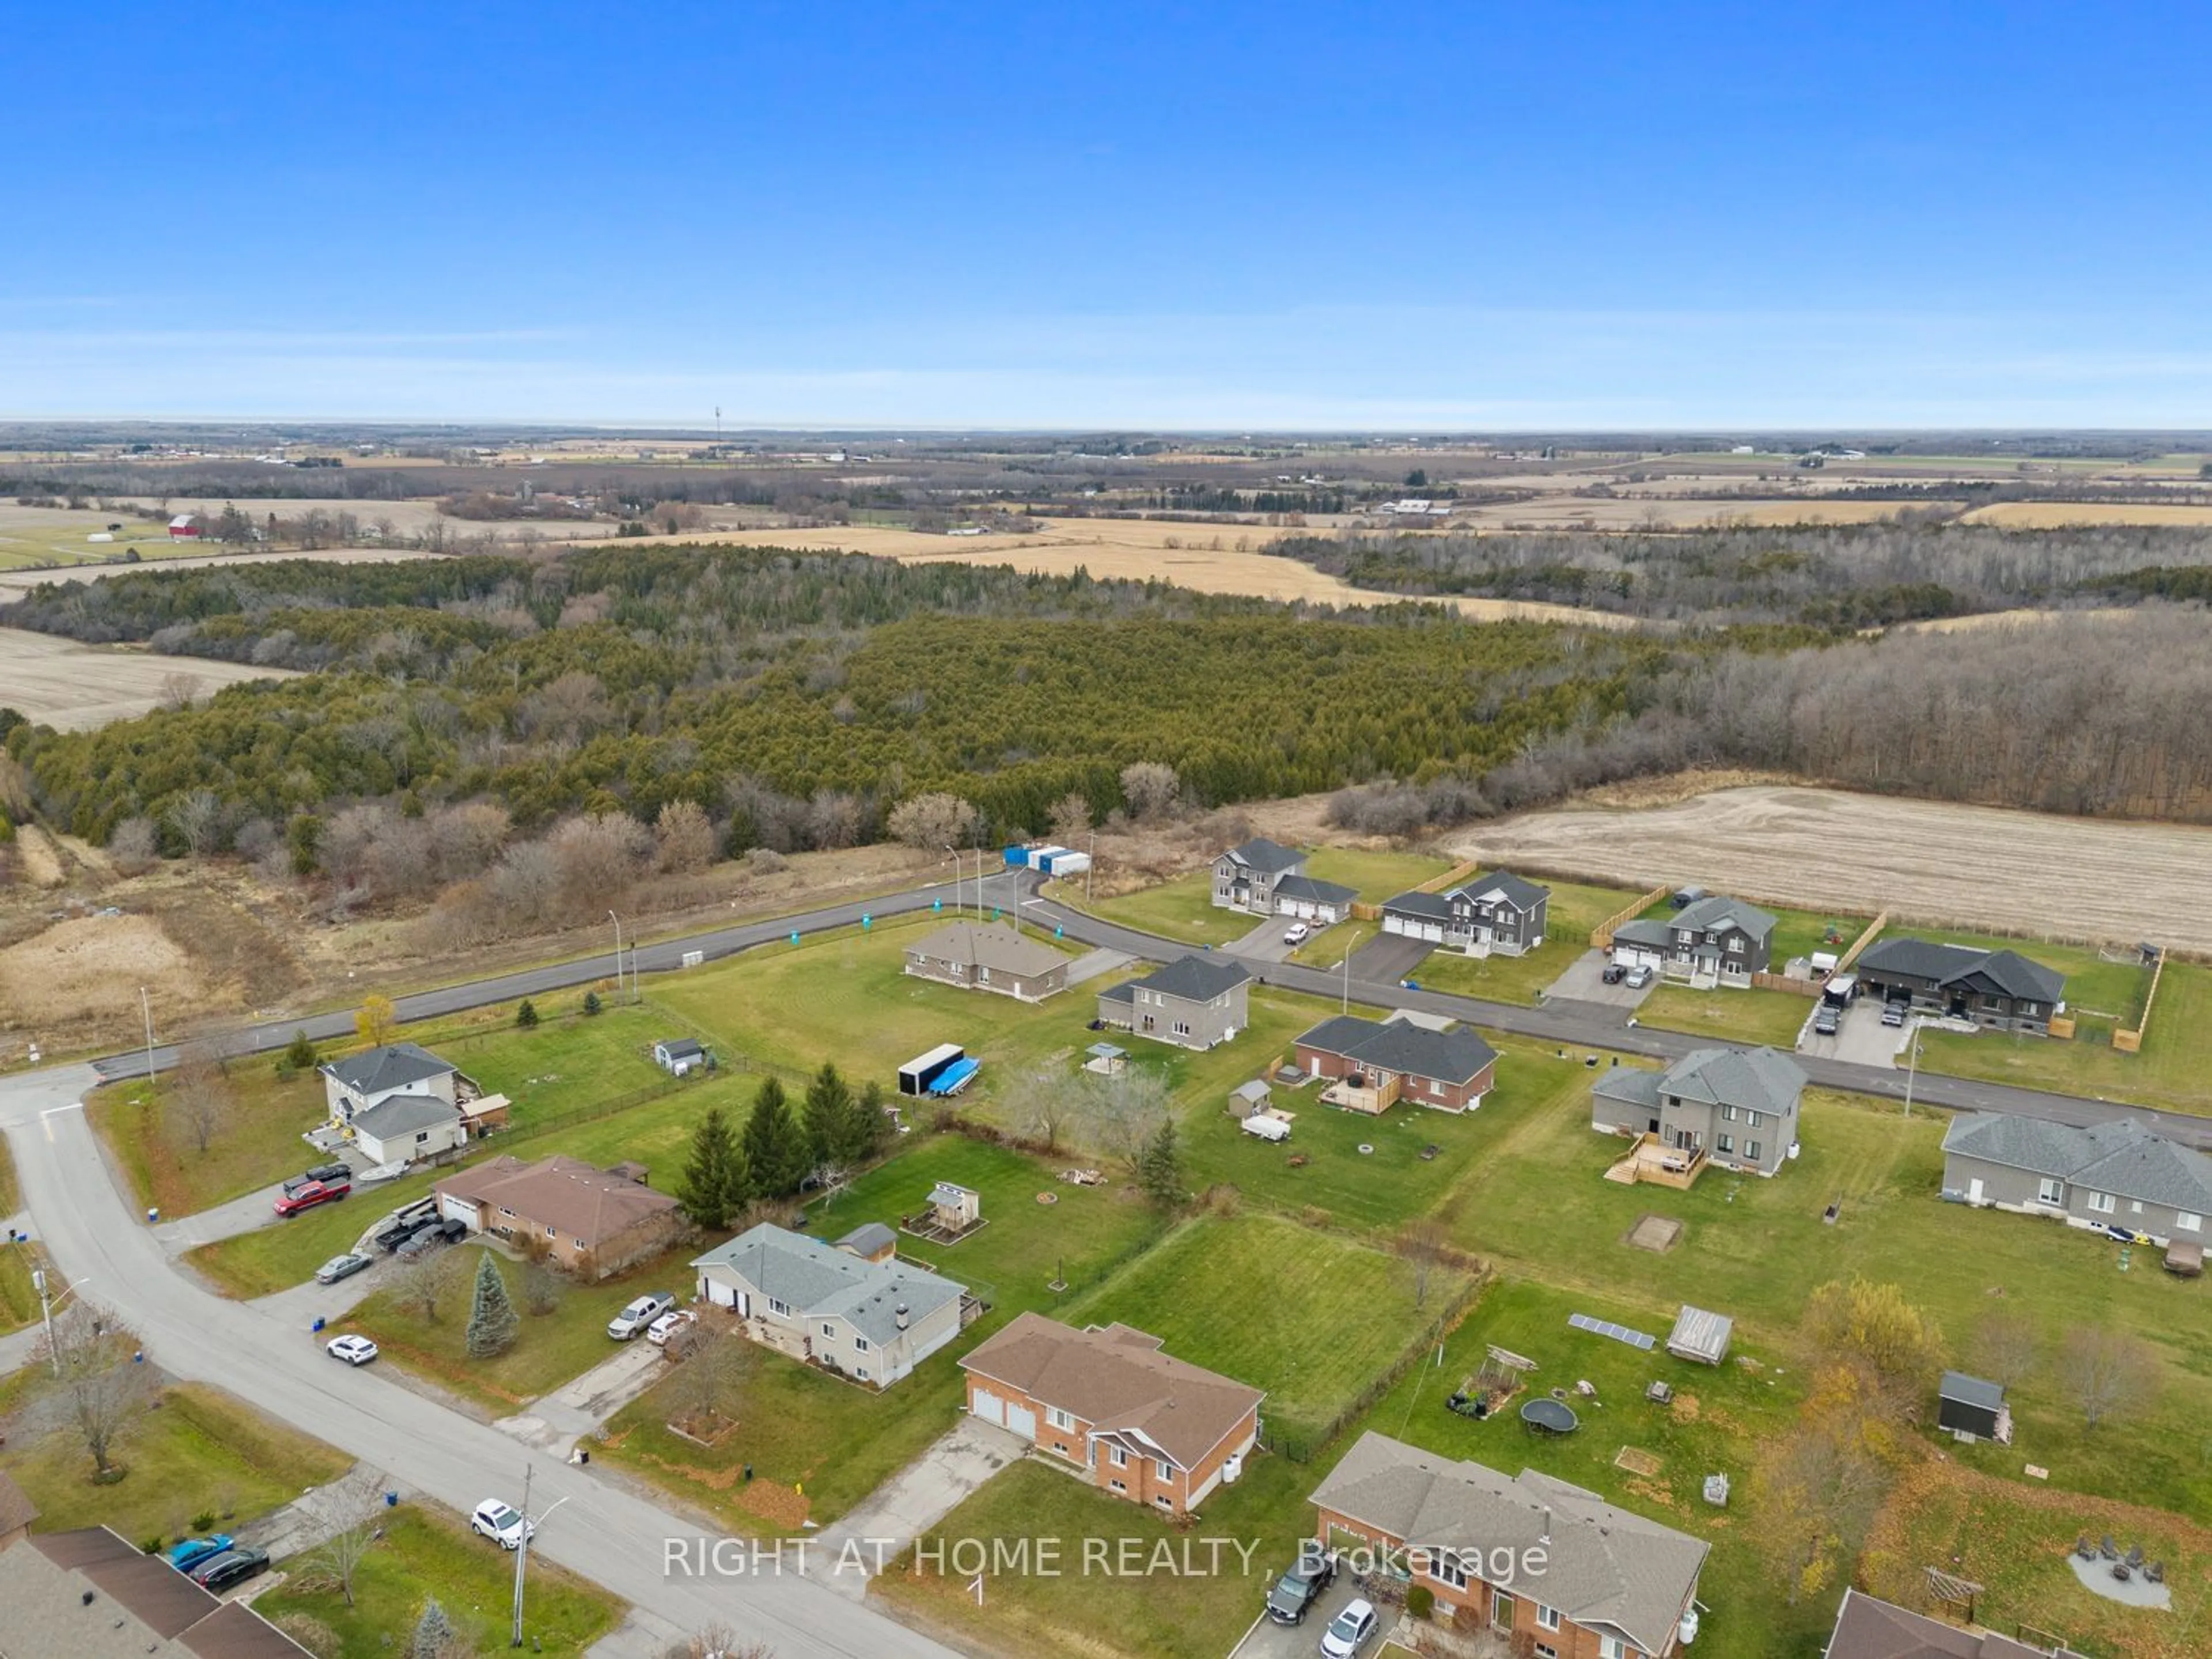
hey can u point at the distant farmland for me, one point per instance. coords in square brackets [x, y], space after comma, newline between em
[77, 687]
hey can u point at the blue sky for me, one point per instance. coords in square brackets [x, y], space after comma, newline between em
[1217, 216]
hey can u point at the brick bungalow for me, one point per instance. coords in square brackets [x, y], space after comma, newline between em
[1395, 1059]
[1144, 1425]
[593, 1222]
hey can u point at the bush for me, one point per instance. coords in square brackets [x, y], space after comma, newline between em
[150, 1546]
[526, 1016]
[1421, 1601]
[204, 1521]
[591, 1003]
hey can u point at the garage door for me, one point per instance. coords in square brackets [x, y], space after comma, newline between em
[988, 1406]
[1430, 930]
[1022, 1420]
[1394, 924]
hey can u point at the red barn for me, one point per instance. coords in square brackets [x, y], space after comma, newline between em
[184, 527]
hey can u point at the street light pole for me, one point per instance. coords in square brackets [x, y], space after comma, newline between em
[146, 1008]
[1913, 1068]
[616, 920]
[522, 1556]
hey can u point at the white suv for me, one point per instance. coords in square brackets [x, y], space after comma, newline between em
[639, 1315]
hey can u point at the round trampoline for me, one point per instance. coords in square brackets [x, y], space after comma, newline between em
[1549, 1417]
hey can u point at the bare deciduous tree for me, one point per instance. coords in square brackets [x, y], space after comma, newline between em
[102, 1385]
[934, 822]
[199, 1090]
[424, 1283]
[1071, 818]
[353, 1509]
[134, 845]
[178, 689]
[686, 837]
[2109, 1372]
[2006, 1346]
[709, 1377]
[1423, 1241]
[835, 818]
[1041, 1105]
[1150, 787]
[719, 1641]
[598, 858]
[1119, 1114]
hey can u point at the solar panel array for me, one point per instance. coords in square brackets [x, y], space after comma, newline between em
[1617, 1333]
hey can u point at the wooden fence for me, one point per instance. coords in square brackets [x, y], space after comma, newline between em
[1796, 988]
[1859, 945]
[2129, 1042]
[1602, 936]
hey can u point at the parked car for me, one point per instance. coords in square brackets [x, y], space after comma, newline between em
[305, 1194]
[1293, 1593]
[403, 1227]
[188, 1552]
[502, 1521]
[340, 1267]
[1639, 976]
[667, 1325]
[425, 1237]
[1297, 933]
[1349, 1630]
[231, 1566]
[1892, 1013]
[332, 1171]
[1826, 1022]
[1614, 974]
[354, 1350]
[640, 1315]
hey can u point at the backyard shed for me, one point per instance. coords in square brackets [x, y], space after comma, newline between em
[870, 1241]
[1247, 1098]
[1972, 1408]
[1700, 1335]
[956, 1209]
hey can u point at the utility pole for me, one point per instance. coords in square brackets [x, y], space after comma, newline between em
[46, 1317]
[1912, 1067]
[1348, 977]
[616, 920]
[1089, 869]
[522, 1554]
[146, 1008]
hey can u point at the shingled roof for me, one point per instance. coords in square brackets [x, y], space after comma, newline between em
[1607, 1570]
[1268, 858]
[576, 1201]
[820, 1281]
[1520, 894]
[1868, 1628]
[1197, 978]
[92, 1595]
[1400, 1046]
[1721, 911]
[1117, 1380]
[2123, 1158]
[1308, 890]
[1756, 1079]
[394, 1066]
[981, 944]
[2007, 972]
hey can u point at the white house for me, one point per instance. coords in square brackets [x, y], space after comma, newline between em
[400, 1103]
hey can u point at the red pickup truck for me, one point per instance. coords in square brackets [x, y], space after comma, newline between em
[305, 1195]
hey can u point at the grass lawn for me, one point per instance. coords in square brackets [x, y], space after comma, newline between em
[1375, 876]
[423, 1555]
[275, 1258]
[801, 1427]
[257, 1144]
[1183, 909]
[2173, 1070]
[1205, 1291]
[202, 1450]
[18, 1301]
[11, 1198]
[1576, 908]
[1329, 947]
[553, 1348]
[1756, 1249]
[1774, 1018]
[1079, 1614]
[1717, 1416]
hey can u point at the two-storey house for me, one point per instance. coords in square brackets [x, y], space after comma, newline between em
[1737, 1107]
[1714, 941]
[1193, 1003]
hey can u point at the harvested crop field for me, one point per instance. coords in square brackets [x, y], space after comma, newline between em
[77, 687]
[1979, 867]
[2058, 515]
[15, 582]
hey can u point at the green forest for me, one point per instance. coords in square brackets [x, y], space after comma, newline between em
[749, 681]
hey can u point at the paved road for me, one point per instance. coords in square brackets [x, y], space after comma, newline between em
[601, 1531]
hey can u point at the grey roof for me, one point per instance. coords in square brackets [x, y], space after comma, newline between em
[1397, 1046]
[2123, 1158]
[2011, 974]
[1313, 891]
[1522, 894]
[1652, 932]
[1698, 1335]
[1755, 1079]
[1256, 1090]
[1125, 991]
[678, 1048]
[1634, 1086]
[394, 1066]
[820, 1281]
[91, 1595]
[403, 1115]
[1432, 907]
[1608, 1568]
[1722, 911]
[867, 1238]
[1970, 1391]
[989, 945]
[1197, 978]
[1267, 857]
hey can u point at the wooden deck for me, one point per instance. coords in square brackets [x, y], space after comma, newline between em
[1660, 1166]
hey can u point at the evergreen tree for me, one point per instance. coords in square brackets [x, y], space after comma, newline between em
[493, 1322]
[434, 1636]
[828, 1114]
[591, 1002]
[870, 1125]
[527, 1015]
[1159, 1166]
[713, 1185]
[776, 1148]
[300, 1053]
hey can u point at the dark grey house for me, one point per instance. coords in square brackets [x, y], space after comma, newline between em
[1715, 941]
[2113, 1174]
[1498, 912]
[1195, 1003]
[1737, 1107]
[2000, 989]
[1245, 877]
[1972, 1408]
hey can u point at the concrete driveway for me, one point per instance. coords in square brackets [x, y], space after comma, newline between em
[918, 1497]
[1584, 982]
[1269, 1640]
[1266, 943]
[1862, 1040]
[1389, 959]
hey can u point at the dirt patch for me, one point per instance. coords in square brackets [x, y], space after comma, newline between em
[1637, 1461]
[85, 973]
[1980, 867]
[1657, 1233]
[42, 860]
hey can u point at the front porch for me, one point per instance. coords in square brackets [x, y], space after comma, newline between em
[1651, 1160]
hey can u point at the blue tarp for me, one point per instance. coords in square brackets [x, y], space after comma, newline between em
[955, 1077]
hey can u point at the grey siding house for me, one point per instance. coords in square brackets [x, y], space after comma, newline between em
[1245, 878]
[1714, 941]
[1309, 900]
[978, 957]
[2001, 990]
[1195, 1003]
[1498, 912]
[1737, 1107]
[830, 1306]
[2113, 1174]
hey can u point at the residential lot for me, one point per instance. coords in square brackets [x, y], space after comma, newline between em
[1574, 911]
[1773, 1018]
